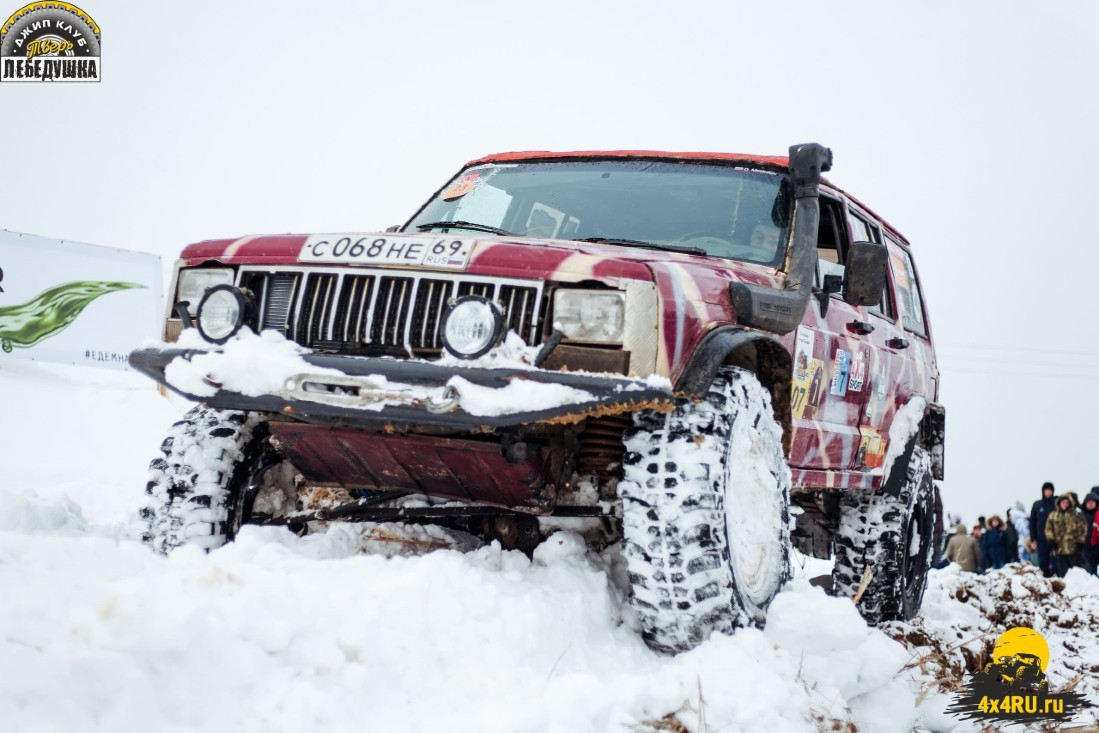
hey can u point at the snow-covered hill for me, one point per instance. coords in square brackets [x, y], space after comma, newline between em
[280, 633]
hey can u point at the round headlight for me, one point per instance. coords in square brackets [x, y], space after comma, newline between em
[221, 313]
[471, 326]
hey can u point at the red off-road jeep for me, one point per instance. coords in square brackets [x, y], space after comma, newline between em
[672, 346]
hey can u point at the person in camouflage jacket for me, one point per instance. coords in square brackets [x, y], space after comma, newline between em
[1066, 532]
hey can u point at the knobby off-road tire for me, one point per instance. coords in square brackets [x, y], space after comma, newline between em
[893, 536]
[705, 513]
[193, 487]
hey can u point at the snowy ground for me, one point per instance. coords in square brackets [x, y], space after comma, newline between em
[278, 633]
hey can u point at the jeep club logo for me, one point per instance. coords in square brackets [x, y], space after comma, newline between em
[49, 41]
[1013, 687]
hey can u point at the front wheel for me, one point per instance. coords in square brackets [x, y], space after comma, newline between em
[705, 502]
[193, 487]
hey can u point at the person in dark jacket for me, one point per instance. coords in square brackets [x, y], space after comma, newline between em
[1091, 550]
[1039, 513]
[996, 547]
[1012, 535]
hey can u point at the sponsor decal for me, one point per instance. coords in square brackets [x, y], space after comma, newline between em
[858, 373]
[1013, 688]
[50, 312]
[871, 450]
[816, 386]
[875, 408]
[461, 187]
[49, 41]
[810, 375]
[803, 352]
[841, 368]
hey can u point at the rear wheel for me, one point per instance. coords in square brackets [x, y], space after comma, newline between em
[705, 502]
[886, 544]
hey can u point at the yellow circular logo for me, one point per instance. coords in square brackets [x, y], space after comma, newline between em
[1024, 643]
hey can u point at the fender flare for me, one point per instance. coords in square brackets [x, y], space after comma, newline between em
[772, 365]
[711, 353]
[930, 434]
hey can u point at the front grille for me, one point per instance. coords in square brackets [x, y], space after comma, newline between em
[431, 301]
[356, 310]
[277, 295]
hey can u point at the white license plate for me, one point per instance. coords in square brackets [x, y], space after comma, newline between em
[445, 253]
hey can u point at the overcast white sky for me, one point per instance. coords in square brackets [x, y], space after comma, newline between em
[970, 126]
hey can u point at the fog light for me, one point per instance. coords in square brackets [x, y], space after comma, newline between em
[221, 313]
[472, 325]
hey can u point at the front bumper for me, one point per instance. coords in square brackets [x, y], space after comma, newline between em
[346, 400]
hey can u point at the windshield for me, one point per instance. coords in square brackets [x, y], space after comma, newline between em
[719, 210]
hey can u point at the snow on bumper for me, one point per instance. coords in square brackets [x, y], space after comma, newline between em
[395, 394]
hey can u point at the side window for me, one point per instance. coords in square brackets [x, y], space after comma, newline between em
[908, 288]
[860, 230]
[831, 241]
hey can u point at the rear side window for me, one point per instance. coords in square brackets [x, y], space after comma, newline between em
[908, 289]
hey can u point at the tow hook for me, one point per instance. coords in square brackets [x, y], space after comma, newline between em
[446, 402]
[364, 392]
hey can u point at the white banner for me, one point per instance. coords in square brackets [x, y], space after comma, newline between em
[74, 303]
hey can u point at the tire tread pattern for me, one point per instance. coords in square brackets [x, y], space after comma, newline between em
[674, 513]
[188, 492]
[873, 528]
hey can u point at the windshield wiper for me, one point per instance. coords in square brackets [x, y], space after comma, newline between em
[647, 245]
[472, 225]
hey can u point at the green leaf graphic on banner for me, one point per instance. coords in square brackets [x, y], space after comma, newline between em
[50, 312]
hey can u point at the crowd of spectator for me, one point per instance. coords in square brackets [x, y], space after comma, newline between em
[1057, 534]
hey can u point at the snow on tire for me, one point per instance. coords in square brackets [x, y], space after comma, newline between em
[189, 490]
[893, 537]
[705, 503]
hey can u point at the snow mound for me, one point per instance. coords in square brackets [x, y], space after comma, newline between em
[390, 627]
[26, 511]
[964, 614]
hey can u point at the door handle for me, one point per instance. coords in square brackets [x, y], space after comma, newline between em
[861, 327]
[897, 343]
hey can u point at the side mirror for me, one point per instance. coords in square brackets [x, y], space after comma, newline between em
[864, 279]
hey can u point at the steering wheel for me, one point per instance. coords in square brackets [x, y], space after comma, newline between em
[720, 236]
